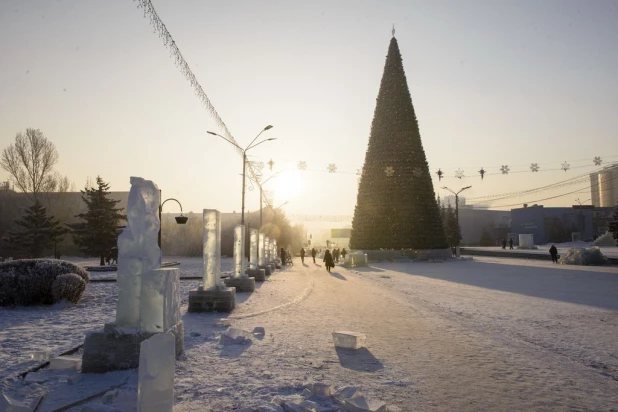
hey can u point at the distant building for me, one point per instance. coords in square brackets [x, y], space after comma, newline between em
[604, 187]
[558, 224]
[476, 222]
[6, 186]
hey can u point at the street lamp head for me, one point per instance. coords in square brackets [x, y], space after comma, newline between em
[181, 220]
[272, 138]
[268, 127]
[213, 133]
[467, 187]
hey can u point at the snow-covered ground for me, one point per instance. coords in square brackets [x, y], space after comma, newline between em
[470, 334]
[609, 251]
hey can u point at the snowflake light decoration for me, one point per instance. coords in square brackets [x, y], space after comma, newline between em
[302, 165]
[459, 174]
[440, 173]
[597, 161]
[534, 167]
[505, 169]
[565, 166]
[358, 172]
[271, 163]
[389, 171]
[332, 168]
[482, 173]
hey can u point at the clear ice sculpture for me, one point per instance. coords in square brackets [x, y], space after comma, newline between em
[160, 300]
[266, 250]
[212, 249]
[261, 242]
[239, 250]
[275, 250]
[157, 359]
[253, 248]
[138, 249]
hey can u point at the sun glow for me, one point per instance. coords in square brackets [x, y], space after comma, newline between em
[287, 186]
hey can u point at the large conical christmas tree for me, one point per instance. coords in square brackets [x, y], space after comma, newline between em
[396, 206]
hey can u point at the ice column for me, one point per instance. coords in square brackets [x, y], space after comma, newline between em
[275, 250]
[266, 250]
[261, 248]
[155, 388]
[239, 250]
[212, 248]
[160, 300]
[253, 248]
[138, 249]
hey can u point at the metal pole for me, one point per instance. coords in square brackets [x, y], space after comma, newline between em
[160, 224]
[244, 165]
[457, 214]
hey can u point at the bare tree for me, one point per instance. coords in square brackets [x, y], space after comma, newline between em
[30, 162]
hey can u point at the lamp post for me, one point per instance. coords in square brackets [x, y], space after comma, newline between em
[262, 195]
[244, 162]
[181, 220]
[279, 207]
[457, 203]
[581, 216]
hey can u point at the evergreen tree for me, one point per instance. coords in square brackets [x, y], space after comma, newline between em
[37, 233]
[613, 226]
[396, 204]
[96, 235]
[452, 229]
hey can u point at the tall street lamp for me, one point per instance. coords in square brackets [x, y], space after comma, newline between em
[581, 216]
[181, 220]
[457, 203]
[262, 195]
[244, 162]
[279, 207]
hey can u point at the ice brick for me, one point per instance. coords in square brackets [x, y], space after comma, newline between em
[65, 362]
[349, 340]
[138, 249]
[160, 307]
[239, 250]
[212, 248]
[155, 390]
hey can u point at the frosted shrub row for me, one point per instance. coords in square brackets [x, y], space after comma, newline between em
[41, 281]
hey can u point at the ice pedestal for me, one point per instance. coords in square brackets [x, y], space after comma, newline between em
[261, 241]
[253, 249]
[155, 390]
[349, 340]
[239, 250]
[258, 274]
[244, 283]
[212, 249]
[213, 295]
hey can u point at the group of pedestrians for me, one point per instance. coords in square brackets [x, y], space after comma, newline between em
[510, 243]
[329, 258]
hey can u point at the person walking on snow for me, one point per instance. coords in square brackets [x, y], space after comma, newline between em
[282, 256]
[302, 255]
[313, 253]
[554, 253]
[503, 243]
[328, 260]
[343, 252]
[511, 243]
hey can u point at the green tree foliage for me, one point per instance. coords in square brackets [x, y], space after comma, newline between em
[36, 233]
[396, 206]
[613, 226]
[451, 227]
[96, 235]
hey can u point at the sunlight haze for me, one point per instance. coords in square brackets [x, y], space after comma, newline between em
[493, 83]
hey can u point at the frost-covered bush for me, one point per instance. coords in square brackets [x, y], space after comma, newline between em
[69, 287]
[31, 281]
[582, 256]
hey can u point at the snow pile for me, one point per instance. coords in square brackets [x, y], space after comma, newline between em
[585, 257]
[606, 239]
[31, 281]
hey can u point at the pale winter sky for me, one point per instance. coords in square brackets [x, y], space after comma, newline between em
[493, 83]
